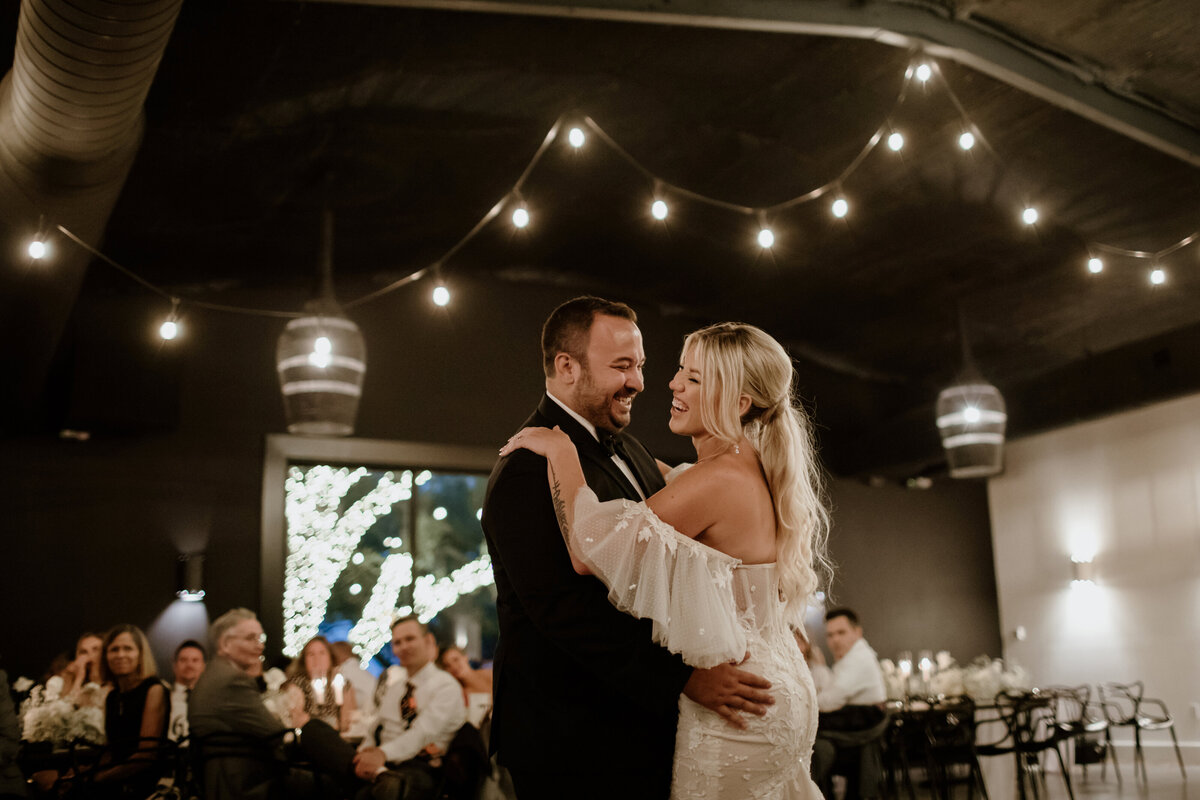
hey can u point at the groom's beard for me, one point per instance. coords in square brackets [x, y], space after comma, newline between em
[602, 408]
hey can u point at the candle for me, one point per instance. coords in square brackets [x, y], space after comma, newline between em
[318, 687]
[338, 682]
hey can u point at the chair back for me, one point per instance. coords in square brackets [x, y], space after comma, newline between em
[1121, 701]
[229, 766]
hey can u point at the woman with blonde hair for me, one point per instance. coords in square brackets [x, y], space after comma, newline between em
[723, 560]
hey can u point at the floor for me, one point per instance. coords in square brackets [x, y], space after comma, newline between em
[1164, 779]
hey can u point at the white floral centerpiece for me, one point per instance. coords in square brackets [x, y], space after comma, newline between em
[49, 716]
[276, 698]
[947, 681]
[987, 677]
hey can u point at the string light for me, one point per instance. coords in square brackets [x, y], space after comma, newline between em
[170, 327]
[658, 210]
[840, 208]
[1095, 266]
[895, 142]
[37, 249]
[1030, 215]
[1158, 276]
[766, 238]
[576, 138]
[924, 72]
[967, 140]
[520, 216]
[441, 295]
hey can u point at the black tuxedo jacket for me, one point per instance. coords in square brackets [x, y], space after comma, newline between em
[578, 685]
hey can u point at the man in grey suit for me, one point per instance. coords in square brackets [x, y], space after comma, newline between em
[226, 705]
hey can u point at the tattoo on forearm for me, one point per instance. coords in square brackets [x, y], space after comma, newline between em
[560, 507]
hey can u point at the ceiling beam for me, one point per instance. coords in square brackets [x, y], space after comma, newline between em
[1043, 74]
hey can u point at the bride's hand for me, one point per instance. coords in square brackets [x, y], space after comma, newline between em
[542, 441]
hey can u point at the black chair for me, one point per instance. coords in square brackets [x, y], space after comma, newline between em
[1127, 706]
[1086, 726]
[949, 729]
[464, 766]
[1036, 731]
[903, 745]
[233, 766]
[859, 758]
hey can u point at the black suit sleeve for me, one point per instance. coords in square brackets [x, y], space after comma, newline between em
[572, 610]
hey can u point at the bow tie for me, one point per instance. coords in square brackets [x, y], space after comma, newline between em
[612, 444]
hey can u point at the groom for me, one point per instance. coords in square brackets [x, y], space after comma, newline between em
[585, 702]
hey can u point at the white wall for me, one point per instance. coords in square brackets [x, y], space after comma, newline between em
[1126, 488]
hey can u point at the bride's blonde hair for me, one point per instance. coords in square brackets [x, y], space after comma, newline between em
[737, 359]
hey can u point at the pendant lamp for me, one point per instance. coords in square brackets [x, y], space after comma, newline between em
[971, 419]
[321, 359]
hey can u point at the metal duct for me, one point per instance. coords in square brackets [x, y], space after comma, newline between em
[71, 122]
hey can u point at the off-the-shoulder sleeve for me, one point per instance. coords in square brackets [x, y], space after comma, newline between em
[654, 572]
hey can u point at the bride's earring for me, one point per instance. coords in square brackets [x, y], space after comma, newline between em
[737, 449]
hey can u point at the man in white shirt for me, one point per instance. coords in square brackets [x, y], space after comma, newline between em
[856, 679]
[419, 716]
[850, 698]
[189, 663]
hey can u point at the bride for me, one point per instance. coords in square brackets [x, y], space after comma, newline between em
[723, 560]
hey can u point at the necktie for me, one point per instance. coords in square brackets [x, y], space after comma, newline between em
[408, 706]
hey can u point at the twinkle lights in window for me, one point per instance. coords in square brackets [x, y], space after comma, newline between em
[431, 595]
[321, 541]
[373, 628]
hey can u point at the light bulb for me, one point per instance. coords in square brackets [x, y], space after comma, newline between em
[441, 295]
[766, 238]
[323, 346]
[520, 217]
[576, 138]
[658, 209]
[971, 414]
[1095, 266]
[169, 330]
[840, 207]
[357, 558]
[355, 588]
[320, 360]
[895, 141]
[967, 140]
[924, 72]
[1029, 215]
[1158, 276]
[37, 249]
[439, 513]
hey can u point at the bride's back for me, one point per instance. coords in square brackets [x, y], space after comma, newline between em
[739, 502]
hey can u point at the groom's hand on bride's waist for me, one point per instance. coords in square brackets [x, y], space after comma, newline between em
[729, 691]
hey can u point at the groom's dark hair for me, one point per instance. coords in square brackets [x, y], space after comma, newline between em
[567, 328]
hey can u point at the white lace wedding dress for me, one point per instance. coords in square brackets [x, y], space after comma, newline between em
[710, 608]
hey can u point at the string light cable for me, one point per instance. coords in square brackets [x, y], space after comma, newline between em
[585, 128]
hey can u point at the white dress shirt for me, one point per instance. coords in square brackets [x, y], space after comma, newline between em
[177, 726]
[440, 713]
[855, 680]
[626, 470]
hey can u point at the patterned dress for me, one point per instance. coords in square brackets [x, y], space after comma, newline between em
[710, 608]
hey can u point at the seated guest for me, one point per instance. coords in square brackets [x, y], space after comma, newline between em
[12, 782]
[420, 716]
[188, 666]
[455, 661]
[850, 699]
[226, 700]
[85, 668]
[135, 716]
[311, 678]
[359, 682]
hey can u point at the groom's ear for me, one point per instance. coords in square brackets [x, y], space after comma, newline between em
[566, 368]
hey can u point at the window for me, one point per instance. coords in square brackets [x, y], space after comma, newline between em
[357, 532]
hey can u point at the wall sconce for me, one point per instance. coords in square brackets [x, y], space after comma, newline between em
[189, 577]
[1083, 572]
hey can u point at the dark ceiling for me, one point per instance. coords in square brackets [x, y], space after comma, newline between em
[412, 123]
